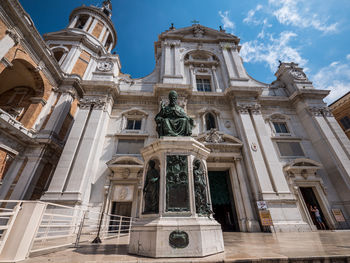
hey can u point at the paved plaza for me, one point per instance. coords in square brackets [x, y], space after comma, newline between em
[321, 246]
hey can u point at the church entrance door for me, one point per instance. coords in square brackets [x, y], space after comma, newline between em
[311, 202]
[222, 200]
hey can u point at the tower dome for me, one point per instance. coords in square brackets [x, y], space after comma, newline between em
[84, 47]
[95, 23]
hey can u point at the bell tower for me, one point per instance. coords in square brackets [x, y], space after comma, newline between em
[84, 47]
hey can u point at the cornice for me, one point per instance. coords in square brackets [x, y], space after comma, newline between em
[81, 38]
[309, 94]
[33, 41]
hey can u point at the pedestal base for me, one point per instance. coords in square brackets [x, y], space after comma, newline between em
[150, 237]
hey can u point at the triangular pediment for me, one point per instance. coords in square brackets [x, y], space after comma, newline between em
[199, 32]
[216, 137]
[125, 161]
[61, 33]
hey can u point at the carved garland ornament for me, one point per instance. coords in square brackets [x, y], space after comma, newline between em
[85, 103]
[105, 66]
[320, 111]
[245, 108]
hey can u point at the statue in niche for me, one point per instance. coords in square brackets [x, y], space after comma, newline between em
[151, 189]
[172, 119]
[200, 190]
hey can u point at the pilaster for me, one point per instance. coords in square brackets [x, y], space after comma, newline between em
[225, 47]
[260, 169]
[10, 40]
[60, 112]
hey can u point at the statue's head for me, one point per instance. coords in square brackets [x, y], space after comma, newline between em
[172, 97]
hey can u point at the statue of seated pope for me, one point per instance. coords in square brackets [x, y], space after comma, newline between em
[172, 119]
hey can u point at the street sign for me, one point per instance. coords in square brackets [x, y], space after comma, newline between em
[265, 218]
[261, 205]
[338, 215]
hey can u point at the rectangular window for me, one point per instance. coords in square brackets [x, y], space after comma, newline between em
[203, 84]
[345, 122]
[133, 125]
[280, 127]
[129, 146]
[290, 149]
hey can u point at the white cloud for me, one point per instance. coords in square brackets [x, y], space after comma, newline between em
[226, 21]
[290, 12]
[348, 56]
[251, 16]
[334, 77]
[272, 50]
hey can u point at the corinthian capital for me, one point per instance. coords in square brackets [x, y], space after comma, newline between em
[244, 108]
[96, 103]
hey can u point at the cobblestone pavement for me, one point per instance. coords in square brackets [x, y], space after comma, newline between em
[321, 246]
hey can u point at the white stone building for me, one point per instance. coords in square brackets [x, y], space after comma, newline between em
[275, 142]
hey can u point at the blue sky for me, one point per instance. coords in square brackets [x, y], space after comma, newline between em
[313, 33]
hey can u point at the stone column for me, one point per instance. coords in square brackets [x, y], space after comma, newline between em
[102, 33]
[217, 87]
[338, 132]
[176, 59]
[168, 59]
[11, 175]
[105, 38]
[268, 151]
[74, 22]
[261, 173]
[88, 22]
[238, 200]
[238, 62]
[73, 54]
[252, 223]
[228, 60]
[10, 40]
[94, 22]
[67, 158]
[46, 110]
[193, 78]
[77, 165]
[60, 112]
[335, 149]
[32, 168]
[71, 59]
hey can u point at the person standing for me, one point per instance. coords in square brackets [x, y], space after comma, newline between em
[318, 217]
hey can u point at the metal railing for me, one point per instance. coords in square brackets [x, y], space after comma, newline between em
[8, 213]
[58, 227]
[104, 226]
[64, 226]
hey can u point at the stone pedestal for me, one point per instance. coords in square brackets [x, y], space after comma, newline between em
[177, 227]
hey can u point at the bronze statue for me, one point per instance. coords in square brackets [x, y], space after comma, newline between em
[202, 205]
[151, 189]
[172, 119]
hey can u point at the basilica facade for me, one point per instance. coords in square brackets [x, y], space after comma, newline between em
[73, 125]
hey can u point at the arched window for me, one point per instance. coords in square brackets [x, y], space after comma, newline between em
[60, 53]
[210, 122]
[81, 21]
